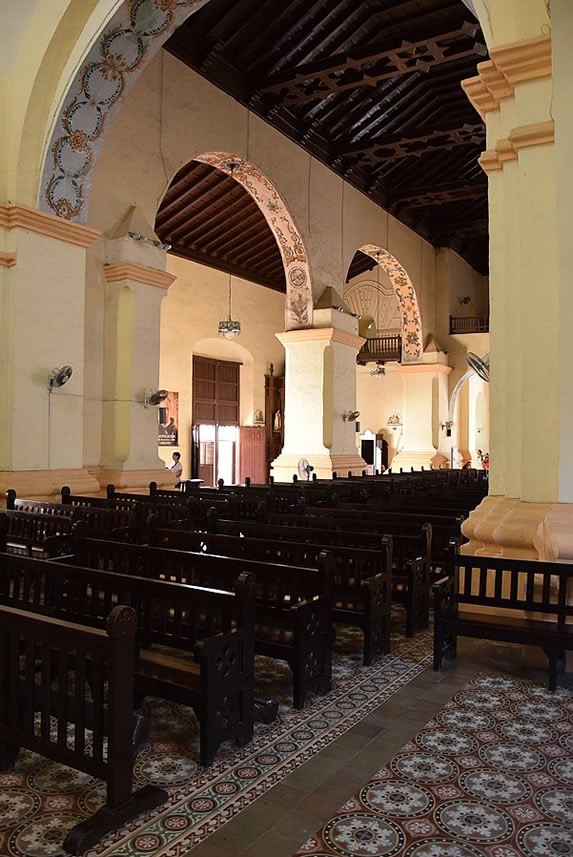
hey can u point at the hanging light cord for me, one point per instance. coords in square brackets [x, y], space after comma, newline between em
[232, 231]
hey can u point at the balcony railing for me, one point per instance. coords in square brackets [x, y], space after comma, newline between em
[469, 324]
[380, 349]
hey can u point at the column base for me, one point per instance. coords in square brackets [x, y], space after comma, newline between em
[47, 484]
[286, 466]
[408, 460]
[501, 526]
[132, 480]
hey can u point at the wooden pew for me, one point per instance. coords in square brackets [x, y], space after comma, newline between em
[33, 534]
[58, 662]
[196, 643]
[293, 609]
[512, 600]
[101, 520]
[189, 508]
[411, 558]
[444, 527]
[361, 586]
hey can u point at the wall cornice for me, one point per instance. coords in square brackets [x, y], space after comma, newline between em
[320, 334]
[535, 134]
[424, 369]
[7, 260]
[140, 273]
[23, 217]
[528, 59]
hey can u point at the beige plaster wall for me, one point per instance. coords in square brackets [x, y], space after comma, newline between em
[189, 316]
[377, 398]
[562, 19]
[505, 21]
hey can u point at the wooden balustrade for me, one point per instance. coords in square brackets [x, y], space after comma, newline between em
[380, 349]
[469, 324]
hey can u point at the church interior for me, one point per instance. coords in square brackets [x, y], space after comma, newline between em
[277, 281]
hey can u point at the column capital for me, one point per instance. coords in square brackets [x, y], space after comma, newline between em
[424, 369]
[14, 216]
[527, 59]
[523, 137]
[121, 271]
[320, 334]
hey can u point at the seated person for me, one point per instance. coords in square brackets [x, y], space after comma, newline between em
[176, 468]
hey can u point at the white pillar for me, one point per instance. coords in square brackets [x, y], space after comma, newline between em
[320, 390]
[523, 92]
[42, 300]
[131, 370]
[425, 396]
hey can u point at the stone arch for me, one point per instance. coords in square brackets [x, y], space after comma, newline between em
[410, 319]
[124, 46]
[299, 305]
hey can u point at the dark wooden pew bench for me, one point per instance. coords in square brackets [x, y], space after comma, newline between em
[101, 521]
[445, 525]
[44, 707]
[196, 644]
[361, 584]
[411, 557]
[34, 534]
[511, 600]
[293, 606]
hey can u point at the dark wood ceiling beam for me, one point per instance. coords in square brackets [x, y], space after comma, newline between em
[438, 195]
[184, 195]
[211, 216]
[444, 233]
[348, 71]
[235, 230]
[304, 36]
[210, 262]
[394, 147]
[265, 255]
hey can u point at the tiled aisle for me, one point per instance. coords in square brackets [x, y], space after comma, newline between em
[282, 819]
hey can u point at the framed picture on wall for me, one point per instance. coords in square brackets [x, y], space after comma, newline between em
[168, 434]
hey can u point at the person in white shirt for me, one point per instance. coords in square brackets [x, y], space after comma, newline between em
[176, 467]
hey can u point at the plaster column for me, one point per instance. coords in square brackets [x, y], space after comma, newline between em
[42, 299]
[131, 368]
[425, 397]
[523, 94]
[320, 388]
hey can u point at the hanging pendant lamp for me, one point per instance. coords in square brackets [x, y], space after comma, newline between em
[229, 327]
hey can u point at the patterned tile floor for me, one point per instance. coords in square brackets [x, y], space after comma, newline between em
[491, 774]
[285, 817]
[344, 739]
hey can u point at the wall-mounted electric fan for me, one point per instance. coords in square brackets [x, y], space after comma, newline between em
[155, 397]
[480, 365]
[59, 377]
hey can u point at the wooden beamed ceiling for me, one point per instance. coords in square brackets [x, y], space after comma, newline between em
[371, 89]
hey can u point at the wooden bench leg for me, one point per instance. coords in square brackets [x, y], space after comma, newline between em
[89, 832]
[8, 756]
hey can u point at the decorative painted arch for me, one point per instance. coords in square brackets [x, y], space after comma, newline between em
[299, 305]
[128, 43]
[121, 51]
[410, 319]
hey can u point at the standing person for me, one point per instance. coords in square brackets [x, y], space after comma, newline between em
[485, 461]
[176, 468]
